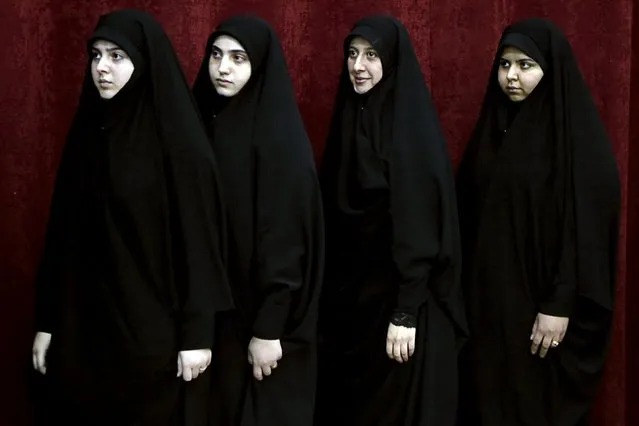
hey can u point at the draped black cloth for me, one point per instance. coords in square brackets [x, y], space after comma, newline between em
[133, 265]
[276, 236]
[539, 198]
[392, 247]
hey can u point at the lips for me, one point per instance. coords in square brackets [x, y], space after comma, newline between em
[222, 81]
[360, 80]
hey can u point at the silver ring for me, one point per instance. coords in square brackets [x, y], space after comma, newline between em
[554, 343]
[202, 368]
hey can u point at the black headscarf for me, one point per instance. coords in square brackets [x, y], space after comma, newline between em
[276, 244]
[133, 256]
[557, 128]
[386, 154]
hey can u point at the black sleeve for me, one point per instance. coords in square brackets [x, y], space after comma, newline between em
[561, 300]
[286, 187]
[48, 286]
[198, 221]
[415, 218]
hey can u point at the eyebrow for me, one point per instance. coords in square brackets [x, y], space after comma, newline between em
[369, 49]
[110, 49]
[526, 58]
[232, 51]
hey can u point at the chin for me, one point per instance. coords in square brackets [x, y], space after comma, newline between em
[361, 90]
[225, 92]
[516, 98]
[107, 94]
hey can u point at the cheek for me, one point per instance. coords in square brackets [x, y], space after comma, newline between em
[532, 81]
[502, 78]
[94, 71]
[127, 73]
[212, 69]
[350, 65]
[243, 76]
[377, 72]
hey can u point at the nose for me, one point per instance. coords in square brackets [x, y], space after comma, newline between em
[513, 73]
[103, 65]
[358, 65]
[224, 65]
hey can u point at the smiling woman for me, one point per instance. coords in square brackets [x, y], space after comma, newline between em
[364, 65]
[391, 309]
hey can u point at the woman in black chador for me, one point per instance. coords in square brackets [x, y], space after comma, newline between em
[539, 198]
[265, 355]
[391, 311]
[133, 267]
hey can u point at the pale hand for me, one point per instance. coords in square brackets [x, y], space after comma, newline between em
[191, 364]
[41, 344]
[546, 330]
[400, 342]
[263, 356]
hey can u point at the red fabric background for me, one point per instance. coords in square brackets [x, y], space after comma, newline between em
[43, 53]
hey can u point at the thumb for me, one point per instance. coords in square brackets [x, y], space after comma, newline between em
[534, 329]
[179, 365]
[41, 361]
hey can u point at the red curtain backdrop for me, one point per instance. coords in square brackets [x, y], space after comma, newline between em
[43, 56]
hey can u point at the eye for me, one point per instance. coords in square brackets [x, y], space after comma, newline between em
[216, 54]
[527, 65]
[372, 54]
[504, 63]
[117, 56]
[239, 58]
[352, 53]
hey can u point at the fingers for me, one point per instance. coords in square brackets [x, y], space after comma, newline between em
[534, 329]
[536, 341]
[179, 366]
[389, 347]
[257, 372]
[38, 358]
[266, 370]
[397, 351]
[195, 372]
[42, 362]
[403, 350]
[545, 345]
[39, 362]
[411, 346]
[400, 345]
[187, 374]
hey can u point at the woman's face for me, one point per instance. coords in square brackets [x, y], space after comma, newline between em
[229, 66]
[111, 68]
[364, 65]
[518, 74]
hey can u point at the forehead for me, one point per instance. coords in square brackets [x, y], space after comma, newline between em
[225, 42]
[360, 43]
[105, 44]
[513, 53]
